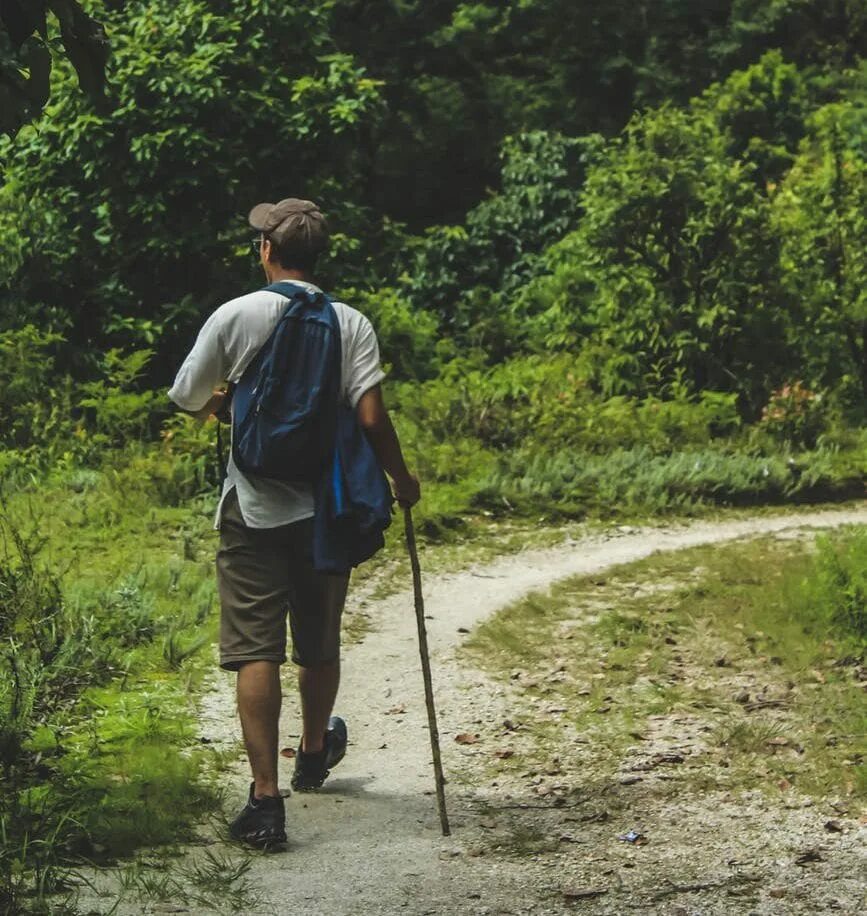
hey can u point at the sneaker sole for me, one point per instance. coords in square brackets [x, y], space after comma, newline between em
[261, 840]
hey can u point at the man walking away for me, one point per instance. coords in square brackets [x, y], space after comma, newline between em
[264, 562]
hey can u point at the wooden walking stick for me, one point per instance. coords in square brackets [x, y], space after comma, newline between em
[425, 669]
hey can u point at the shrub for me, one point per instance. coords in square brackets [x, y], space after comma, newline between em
[35, 409]
[117, 410]
[832, 596]
[183, 466]
[407, 335]
[542, 174]
[637, 480]
[673, 269]
[794, 414]
[763, 109]
[820, 212]
[546, 403]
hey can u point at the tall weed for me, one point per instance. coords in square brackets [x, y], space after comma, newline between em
[833, 595]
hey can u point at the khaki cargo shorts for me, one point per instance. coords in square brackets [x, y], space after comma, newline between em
[263, 573]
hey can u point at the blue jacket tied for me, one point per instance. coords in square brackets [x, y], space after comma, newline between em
[352, 505]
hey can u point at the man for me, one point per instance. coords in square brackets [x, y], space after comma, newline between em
[264, 563]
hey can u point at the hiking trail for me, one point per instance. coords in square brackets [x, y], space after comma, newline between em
[369, 841]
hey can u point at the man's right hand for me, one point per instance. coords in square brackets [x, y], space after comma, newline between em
[407, 490]
[376, 423]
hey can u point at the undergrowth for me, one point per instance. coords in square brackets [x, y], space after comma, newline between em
[97, 750]
[571, 483]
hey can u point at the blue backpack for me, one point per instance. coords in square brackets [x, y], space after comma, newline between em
[284, 408]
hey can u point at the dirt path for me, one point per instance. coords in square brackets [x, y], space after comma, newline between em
[369, 843]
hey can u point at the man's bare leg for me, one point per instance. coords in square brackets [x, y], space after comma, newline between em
[259, 699]
[318, 689]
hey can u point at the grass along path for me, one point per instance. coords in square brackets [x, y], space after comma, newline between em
[369, 842]
[691, 745]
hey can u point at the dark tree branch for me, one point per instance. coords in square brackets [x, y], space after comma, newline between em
[23, 35]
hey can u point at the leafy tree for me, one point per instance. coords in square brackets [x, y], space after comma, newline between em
[26, 46]
[497, 249]
[763, 109]
[826, 34]
[459, 76]
[671, 276]
[821, 214]
[124, 226]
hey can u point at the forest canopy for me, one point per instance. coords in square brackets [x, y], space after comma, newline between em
[659, 202]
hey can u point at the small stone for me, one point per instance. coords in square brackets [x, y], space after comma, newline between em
[777, 893]
[808, 856]
[466, 738]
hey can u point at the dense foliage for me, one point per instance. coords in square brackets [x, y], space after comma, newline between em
[617, 264]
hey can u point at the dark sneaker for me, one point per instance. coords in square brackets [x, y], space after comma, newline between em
[261, 823]
[311, 770]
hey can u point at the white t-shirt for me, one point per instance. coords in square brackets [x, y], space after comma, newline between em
[227, 343]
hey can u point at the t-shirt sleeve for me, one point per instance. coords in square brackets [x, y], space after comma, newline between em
[204, 368]
[363, 370]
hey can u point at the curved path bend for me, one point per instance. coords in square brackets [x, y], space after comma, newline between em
[369, 842]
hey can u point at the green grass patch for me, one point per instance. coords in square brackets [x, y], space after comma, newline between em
[757, 646]
[106, 607]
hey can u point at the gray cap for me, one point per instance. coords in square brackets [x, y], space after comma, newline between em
[291, 220]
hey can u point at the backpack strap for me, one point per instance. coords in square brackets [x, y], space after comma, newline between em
[289, 289]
